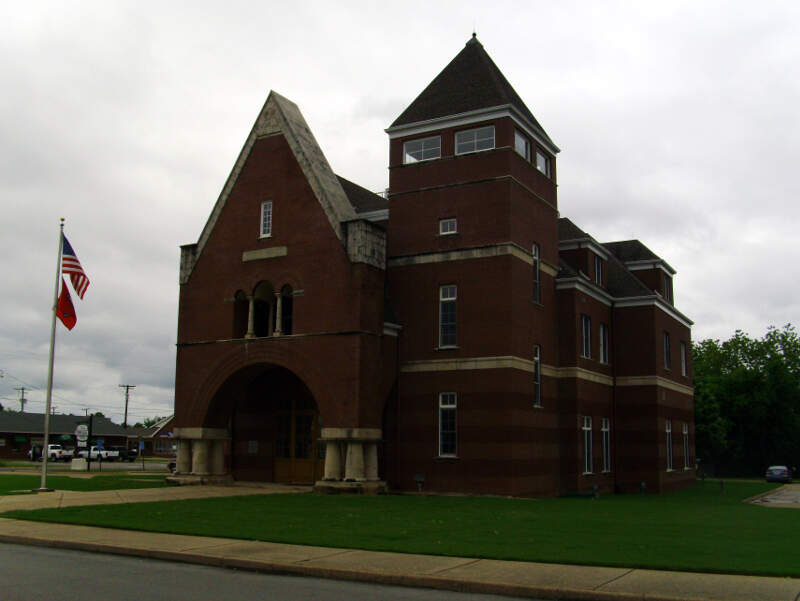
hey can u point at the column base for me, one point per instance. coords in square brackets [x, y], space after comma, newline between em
[193, 479]
[334, 487]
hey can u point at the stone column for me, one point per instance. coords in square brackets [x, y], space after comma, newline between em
[183, 464]
[217, 457]
[278, 314]
[333, 460]
[200, 463]
[251, 314]
[371, 461]
[354, 463]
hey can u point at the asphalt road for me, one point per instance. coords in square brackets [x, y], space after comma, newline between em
[44, 574]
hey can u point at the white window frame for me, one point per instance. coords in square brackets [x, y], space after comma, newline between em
[667, 351]
[537, 375]
[470, 140]
[683, 359]
[522, 145]
[448, 226]
[543, 163]
[685, 429]
[266, 219]
[603, 343]
[448, 294]
[668, 431]
[598, 270]
[667, 288]
[586, 336]
[586, 429]
[537, 280]
[605, 427]
[448, 403]
[430, 149]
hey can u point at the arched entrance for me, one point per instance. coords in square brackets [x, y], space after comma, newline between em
[275, 428]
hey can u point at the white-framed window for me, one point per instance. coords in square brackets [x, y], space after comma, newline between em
[598, 270]
[683, 359]
[447, 424]
[474, 140]
[537, 376]
[668, 429]
[603, 343]
[586, 429]
[685, 445]
[667, 351]
[543, 162]
[448, 226]
[266, 219]
[448, 296]
[424, 149]
[537, 284]
[605, 427]
[586, 336]
[667, 288]
[522, 145]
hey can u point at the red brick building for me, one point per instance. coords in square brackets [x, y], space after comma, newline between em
[457, 335]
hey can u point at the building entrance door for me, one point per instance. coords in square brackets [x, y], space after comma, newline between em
[297, 458]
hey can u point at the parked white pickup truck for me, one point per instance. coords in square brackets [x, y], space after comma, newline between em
[95, 454]
[55, 452]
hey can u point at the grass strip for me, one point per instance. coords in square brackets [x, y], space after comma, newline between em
[24, 483]
[703, 528]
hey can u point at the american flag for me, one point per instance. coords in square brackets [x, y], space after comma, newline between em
[71, 265]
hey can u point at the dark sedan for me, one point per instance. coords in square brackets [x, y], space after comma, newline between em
[778, 473]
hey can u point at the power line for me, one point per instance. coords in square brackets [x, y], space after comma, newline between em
[22, 399]
[127, 388]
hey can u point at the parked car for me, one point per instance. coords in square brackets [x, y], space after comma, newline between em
[95, 454]
[55, 452]
[778, 473]
[126, 454]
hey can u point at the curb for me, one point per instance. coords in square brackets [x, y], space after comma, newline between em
[290, 569]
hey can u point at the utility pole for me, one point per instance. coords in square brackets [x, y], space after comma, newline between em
[127, 388]
[22, 399]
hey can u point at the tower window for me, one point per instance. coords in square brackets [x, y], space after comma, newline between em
[586, 336]
[447, 316]
[447, 424]
[424, 149]
[448, 226]
[522, 145]
[543, 163]
[537, 285]
[266, 219]
[474, 140]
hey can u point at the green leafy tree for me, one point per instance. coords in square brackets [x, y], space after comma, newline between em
[146, 423]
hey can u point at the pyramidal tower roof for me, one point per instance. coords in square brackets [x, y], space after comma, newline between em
[470, 82]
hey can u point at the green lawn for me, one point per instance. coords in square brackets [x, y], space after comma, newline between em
[11, 484]
[700, 529]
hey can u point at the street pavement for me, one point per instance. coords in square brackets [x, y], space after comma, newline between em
[521, 579]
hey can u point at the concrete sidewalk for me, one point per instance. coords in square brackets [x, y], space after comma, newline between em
[522, 579]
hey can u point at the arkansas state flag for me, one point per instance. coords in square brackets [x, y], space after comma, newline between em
[64, 309]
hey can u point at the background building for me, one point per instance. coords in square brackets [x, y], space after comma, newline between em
[456, 335]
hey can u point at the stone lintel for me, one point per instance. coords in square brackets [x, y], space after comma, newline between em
[201, 433]
[353, 434]
[264, 253]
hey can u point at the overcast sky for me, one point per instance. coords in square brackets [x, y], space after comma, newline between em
[678, 124]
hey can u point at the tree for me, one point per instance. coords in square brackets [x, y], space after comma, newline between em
[747, 401]
[147, 423]
[1, 406]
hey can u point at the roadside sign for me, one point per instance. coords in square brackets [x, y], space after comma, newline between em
[82, 434]
[99, 444]
[141, 445]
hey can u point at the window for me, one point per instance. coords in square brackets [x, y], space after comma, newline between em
[474, 140]
[587, 444]
[537, 376]
[685, 446]
[287, 306]
[606, 430]
[586, 336]
[522, 145]
[667, 350]
[448, 226]
[667, 288]
[447, 424]
[447, 316]
[266, 219]
[603, 343]
[683, 359]
[598, 270]
[423, 149]
[669, 445]
[543, 163]
[537, 285]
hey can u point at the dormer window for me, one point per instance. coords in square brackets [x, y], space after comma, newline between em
[475, 140]
[448, 227]
[522, 145]
[543, 162]
[598, 270]
[266, 219]
[424, 149]
[667, 288]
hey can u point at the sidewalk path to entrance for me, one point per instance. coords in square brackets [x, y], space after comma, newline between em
[785, 496]
[513, 578]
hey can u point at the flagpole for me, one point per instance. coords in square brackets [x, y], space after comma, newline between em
[43, 483]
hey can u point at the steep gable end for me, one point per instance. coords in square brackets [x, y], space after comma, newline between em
[281, 116]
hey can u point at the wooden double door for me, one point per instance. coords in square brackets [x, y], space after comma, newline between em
[297, 432]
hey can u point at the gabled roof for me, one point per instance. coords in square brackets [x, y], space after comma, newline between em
[470, 82]
[33, 423]
[363, 200]
[633, 251]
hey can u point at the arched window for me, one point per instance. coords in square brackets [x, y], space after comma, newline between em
[263, 310]
[287, 305]
[241, 308]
